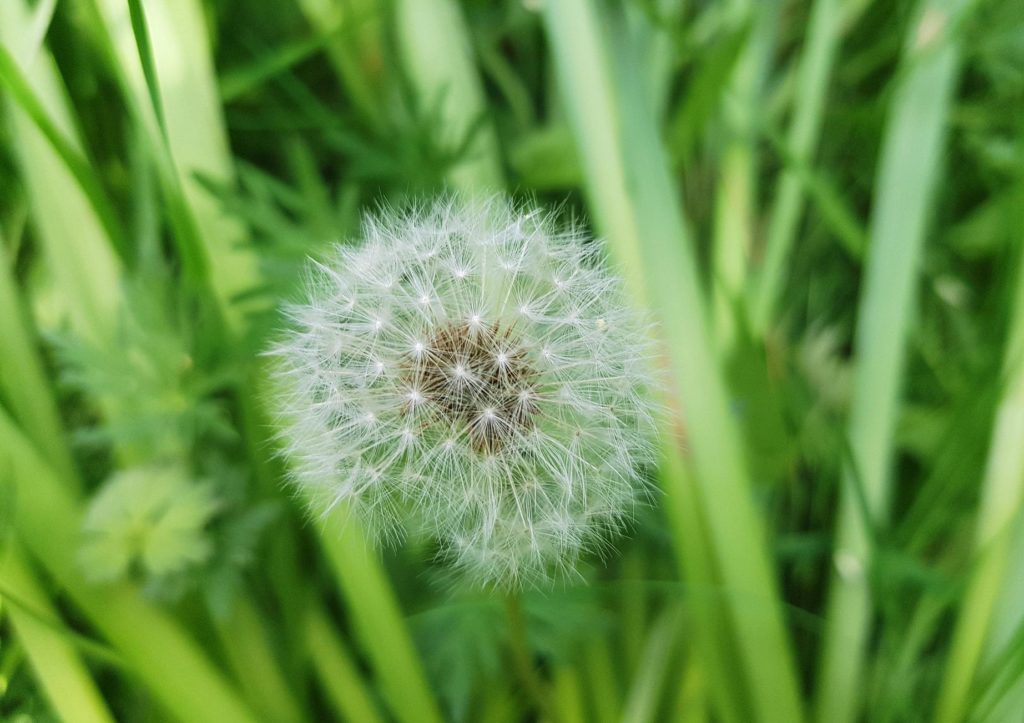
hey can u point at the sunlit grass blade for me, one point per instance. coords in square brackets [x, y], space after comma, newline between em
[602, 687]
[55, 662]
[23, 383]
[998, 690]
[24, 387]
[736, 192]
[437, 56]
[377, 620]
[908, 170]
[633, 201]
[173, 94]
[566, 695]
[1001, 510]
[165, 659]
[708, 617]
[69, 228]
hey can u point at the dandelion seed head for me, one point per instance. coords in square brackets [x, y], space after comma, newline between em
[469, 371]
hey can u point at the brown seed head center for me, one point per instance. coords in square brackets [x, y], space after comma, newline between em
[479, 377]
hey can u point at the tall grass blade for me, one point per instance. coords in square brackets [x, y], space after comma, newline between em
[438, 59]
[1001, 511]
[908, 170]
[633, 200]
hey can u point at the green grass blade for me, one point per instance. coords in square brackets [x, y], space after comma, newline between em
[649, 683]
[736, 192]
[908, 170]
[55, 662]
[337, 672]
[822, 41]
[1001, 510]
[164, 658]
[633, 200]
[64, 213]
[377, 618]
[23, 383]
[21, 91]
[193, 142]
[438, 59]
[243, 636]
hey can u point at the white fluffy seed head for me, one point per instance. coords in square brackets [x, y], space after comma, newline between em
[468, 371]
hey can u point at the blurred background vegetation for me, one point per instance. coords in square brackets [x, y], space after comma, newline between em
[822, 201]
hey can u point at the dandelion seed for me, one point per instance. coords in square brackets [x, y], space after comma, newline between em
[470, 372]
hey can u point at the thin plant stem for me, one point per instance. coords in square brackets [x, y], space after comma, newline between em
[567, 698]
[377, 619]
[736, 193]
[599, 670]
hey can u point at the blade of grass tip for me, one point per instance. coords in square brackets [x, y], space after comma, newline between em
[635, 203]
[909, 169]
[648, 686]
[377, 618]
[67, 224]
[815, 68]
[23, 383]
[55, 663]
[735, 197]
[1002, 501]
[152, 645]
[337, 672]
[438, 59]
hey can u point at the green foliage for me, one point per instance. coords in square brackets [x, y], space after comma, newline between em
[168, 167]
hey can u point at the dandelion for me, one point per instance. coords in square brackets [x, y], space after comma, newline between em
[469, 373]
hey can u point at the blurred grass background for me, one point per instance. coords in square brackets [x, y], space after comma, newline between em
[821, 201]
